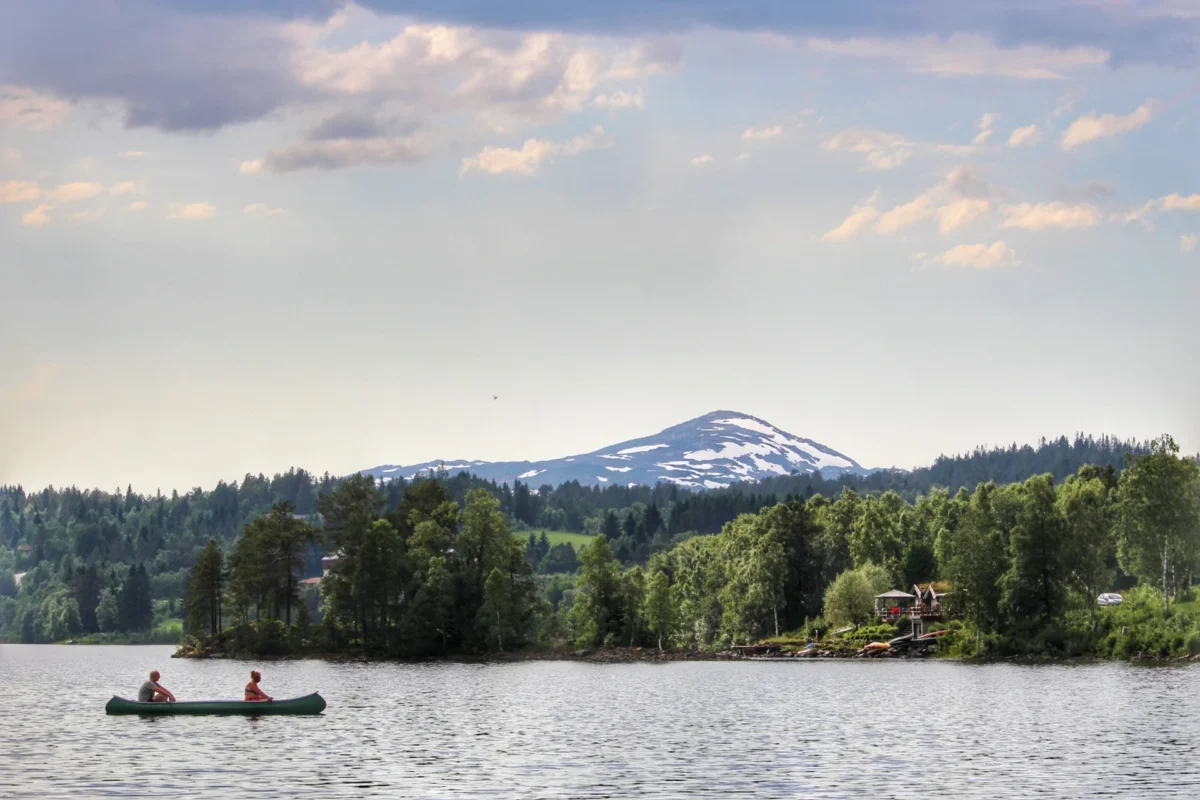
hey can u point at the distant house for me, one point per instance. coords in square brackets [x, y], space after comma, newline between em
[310, 581]
[17, 576]
[891, 606]
[929, 606]
[24, 548]
[327, 562]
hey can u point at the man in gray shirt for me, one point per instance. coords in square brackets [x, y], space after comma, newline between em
[154, 692]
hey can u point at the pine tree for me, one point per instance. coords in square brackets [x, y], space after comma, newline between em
[204, 590]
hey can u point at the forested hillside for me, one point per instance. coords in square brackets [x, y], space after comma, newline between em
[70, 547]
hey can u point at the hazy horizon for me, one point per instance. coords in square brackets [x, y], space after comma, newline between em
[235, 238]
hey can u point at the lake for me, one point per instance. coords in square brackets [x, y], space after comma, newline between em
[840, 729]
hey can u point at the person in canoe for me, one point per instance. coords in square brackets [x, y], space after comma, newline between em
[253, 693]
[154, 692]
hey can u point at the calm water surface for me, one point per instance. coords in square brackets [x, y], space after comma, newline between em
[567, 730]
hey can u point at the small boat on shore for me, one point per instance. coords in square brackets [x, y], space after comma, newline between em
[308, 704]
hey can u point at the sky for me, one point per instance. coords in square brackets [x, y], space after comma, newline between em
[240, 236]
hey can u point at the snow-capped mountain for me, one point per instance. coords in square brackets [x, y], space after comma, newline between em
[708, 452]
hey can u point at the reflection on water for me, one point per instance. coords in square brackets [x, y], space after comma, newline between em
[566, 730]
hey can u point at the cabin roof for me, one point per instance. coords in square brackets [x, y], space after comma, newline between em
[894, 593]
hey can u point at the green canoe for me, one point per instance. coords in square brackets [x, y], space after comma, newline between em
[309, 704]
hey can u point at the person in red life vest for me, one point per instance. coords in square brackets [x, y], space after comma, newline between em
[253, 693]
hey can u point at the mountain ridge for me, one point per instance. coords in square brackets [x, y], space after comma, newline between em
[712, 451]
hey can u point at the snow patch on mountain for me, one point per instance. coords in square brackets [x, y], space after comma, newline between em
[710, 452]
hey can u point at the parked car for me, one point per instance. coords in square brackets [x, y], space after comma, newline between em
[1110, 599]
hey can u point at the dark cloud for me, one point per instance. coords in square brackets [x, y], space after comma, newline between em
[1144, 31]
[172, 71]
[203, 64]
[348, 125]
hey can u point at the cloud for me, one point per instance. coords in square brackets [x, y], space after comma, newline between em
[124, 187]
[860, 217]
[133, 154]
[620, 99]
[137, 205]
[37, 217]
[87, 214]
[190, 211]
[262, 210]
[19, 192]
[527, 160]
[1170, 202]
[920, 208]
[883, 151]
[646, 58]
[1156, 31]
[1041, 216]
[21, 107]
[11, 154]
[701, 160]
[963, 211]
[1028, 135]
[956, 201]
[763, 133]
[73, 192]
[742, 157]
[341, 153]
[977, 256]
[1090, 127]
[1188, 242]
[966, 55]
[986, 126]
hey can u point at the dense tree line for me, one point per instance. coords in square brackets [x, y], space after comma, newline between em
[1023, 562]
[54, 534]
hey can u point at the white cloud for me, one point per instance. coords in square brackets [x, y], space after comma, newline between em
[620, 99]
[1040, 216]
[1028, 135]
[124, 187]
[87, 214]
[763, 133]
[917, 256]
[11, 154]
[1188, 242]
[251, 167]
[860, 217]
[262, 210]
[916, 210]
[644, 59]
[190, 210]
[960, 212]
[742, 157]
[21, 107]
[986, 126]
[958, 200]
[72, 192]
[133, 154]
[19, 192]
[138, 205]
[1090, 127]
[527, 160]
[977, 256]
[700, 160]
[883, 151]
[964, 54]
[38, 216]
[1171, 202]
